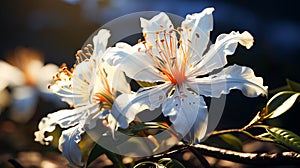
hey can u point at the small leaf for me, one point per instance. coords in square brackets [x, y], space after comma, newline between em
[170, 163]
[294, 86]
[233, 141]
[285, 137]
[280, 103]
[145, 84]
[98, 150]
[148, 164]
[95, 153]
[133, 129]
[265, 137]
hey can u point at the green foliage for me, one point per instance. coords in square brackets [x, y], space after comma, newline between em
[135, 128]
[293, 86]
[233, 141]
[145, 84]
[285, 137]
[98, 150]
[170, 163]
[162, 163]
[280, 103]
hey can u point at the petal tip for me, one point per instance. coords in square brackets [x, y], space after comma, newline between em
[246, 40]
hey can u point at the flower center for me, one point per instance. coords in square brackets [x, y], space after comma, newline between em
[170, 62]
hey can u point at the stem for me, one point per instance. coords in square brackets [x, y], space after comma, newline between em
[284, 158]
[243, 130]
[200, 157]
[258, 159]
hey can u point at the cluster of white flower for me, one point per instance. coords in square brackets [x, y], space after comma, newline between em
[181, 63]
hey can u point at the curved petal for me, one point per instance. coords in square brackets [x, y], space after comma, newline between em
[195, 33]
[74, 88]
[127, 106]
[64, 118]
[158, 23]
[115, 78]
[232, 77]
[183, 108]
[100, 43]
[136, 64]
[68, 145]
[45, 77]
[225, 45]
[199, 127]
[10, 75]
[82, 83]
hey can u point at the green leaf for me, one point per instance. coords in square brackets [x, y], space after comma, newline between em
[148, 164]
[265, 137]
[133, 129]
[98, 150]
[233, 141]
[280, 103]
[294, 86]
[285, 137]
[145, 84]
[170, 163]
[95, 153]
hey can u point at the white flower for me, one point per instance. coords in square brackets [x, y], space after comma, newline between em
[89, 89]
[27, 76]
[182, 67]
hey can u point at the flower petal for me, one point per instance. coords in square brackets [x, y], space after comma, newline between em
[44, 76]
[157, 24]
[68, 145]
[232, 77]
[136, 64]
[100, 43]
[195, 33]
[10, 75]
[82, 86]
[199, 128]
[116, 79]
[64, 118]
[183, 108]
[127, 106]
[225, 45]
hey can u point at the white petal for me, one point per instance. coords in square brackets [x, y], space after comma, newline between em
[10, 75]
[100, 43]
[137, 65]
[225, 45]
[24, 103]
[33, 68]
[82, 83]
[127, 106]
[64, 118]
[68, 145]
[157, 23]
[199, 128]
[44, 77]
[196, 33]
[232, 77]
[183, 108]
[116, 79]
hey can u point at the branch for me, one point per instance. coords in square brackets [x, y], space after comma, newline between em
[284, 158]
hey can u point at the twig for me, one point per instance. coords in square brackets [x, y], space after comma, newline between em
[284, 158]
[199, 156]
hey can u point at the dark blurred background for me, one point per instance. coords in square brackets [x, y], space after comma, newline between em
[59, 28]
